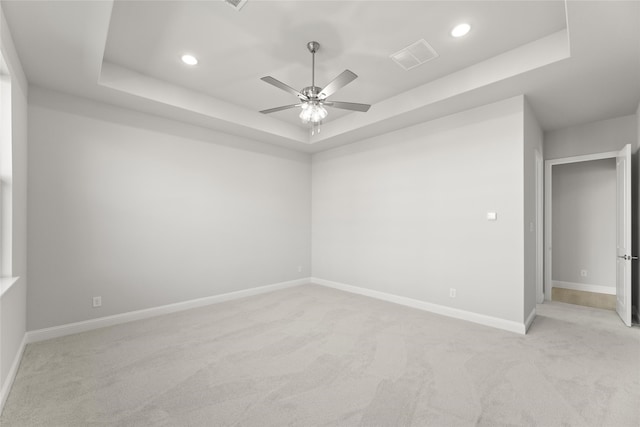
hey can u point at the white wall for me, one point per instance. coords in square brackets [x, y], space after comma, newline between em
[13, 304]
[584, 222]
[591, 138]
[533, 141]
[405, 213]
[145, 212]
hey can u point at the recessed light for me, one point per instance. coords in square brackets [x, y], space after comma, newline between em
[189, 59]
[460, 30]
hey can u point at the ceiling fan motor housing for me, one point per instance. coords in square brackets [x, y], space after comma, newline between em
[313, 98]
[311, 92]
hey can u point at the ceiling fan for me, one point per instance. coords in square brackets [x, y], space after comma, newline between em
[312, 98]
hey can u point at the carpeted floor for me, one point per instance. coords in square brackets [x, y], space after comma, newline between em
[314, 356]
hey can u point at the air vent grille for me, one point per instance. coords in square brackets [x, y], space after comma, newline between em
[416, 54]
[236, 4]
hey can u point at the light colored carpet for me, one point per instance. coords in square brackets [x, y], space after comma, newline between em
[314, 356]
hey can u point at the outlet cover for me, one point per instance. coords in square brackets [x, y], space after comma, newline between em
[97, 302]
[452, 293]
[583, 273]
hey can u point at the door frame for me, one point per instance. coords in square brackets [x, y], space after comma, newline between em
[548, 197]
[539, 226]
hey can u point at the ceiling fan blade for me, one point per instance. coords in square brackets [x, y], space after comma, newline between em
[286, 88]
[286, 107]
[353, 106]
[341, 81]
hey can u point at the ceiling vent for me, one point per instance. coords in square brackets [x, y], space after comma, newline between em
[415, 54]
[236, 4]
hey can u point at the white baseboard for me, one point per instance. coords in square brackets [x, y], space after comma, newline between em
[101, 322]
[507, 325]
[599, 289]
[11, 376]
[530, 317]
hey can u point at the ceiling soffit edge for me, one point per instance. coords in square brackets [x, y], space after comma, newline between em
[400, 108]
[500, 68]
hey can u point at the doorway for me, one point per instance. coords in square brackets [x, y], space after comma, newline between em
[586, 230]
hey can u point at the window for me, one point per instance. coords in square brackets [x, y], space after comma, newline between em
[5, 172]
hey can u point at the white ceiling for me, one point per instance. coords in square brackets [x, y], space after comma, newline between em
[269, 38]
[128, 53]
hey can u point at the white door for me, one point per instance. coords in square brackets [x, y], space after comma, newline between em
[623, 234]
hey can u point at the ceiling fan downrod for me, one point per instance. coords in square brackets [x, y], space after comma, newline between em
[313, 99]
[313, 48]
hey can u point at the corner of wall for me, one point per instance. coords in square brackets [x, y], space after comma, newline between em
[405, 165]
[532, 142]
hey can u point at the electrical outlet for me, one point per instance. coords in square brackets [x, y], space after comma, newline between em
[97, 302]
[583, 273]
[299, 269]
[452, 293]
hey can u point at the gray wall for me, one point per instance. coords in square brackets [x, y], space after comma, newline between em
[584, 222]
[533, 140]
[590, 138]
[13, 304]
[145, 212]
[405, 213]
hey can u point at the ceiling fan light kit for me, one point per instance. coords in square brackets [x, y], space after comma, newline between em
[313, 98]
[312, 113]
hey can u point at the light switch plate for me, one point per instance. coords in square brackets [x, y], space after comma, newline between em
[492, 216]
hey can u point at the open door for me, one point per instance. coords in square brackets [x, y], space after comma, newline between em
[623, 234]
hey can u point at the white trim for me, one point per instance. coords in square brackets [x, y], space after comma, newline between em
[6, 283]
[539, 206]
[599, 289]
[507, 325]
[548, 227]
[116, 319]
[11, 376]
[548, 285]
[584, 158]
[530, 318]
